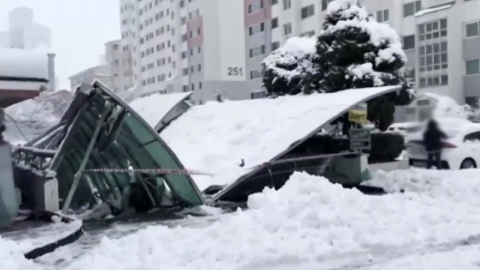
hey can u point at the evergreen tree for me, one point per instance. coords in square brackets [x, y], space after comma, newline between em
[355, 51]
[291, 68]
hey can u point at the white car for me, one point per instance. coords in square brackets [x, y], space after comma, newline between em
[461, 148]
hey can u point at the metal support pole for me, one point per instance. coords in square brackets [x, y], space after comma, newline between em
[78, 175]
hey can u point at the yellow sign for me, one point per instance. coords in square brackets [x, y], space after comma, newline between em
[358, 114]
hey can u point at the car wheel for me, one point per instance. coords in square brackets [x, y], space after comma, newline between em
[468, 163]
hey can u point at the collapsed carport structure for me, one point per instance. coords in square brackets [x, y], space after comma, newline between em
[242, 143]
[104, 156]
[82, 163]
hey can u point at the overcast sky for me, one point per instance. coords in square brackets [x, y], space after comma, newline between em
[80, 29]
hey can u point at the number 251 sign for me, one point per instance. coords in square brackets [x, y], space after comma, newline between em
[235, 71]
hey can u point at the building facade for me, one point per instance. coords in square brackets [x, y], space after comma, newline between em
[24, 32]
[195, 45]
[100, 73]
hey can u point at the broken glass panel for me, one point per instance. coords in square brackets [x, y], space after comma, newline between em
[125, 140]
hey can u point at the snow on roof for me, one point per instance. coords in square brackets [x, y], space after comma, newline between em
[23, 64]
[154, 107]
[434, 9]
[215, 137]
[379, 32]
[19, 85]
[295, 50]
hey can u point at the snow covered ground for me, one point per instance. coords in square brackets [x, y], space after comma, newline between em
[308, 224]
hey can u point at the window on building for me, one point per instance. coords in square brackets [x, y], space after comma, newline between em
[287, 4]
[274, 23]
[200, 85]
[255, 74]
[308, 34]
[185, 71]
[199, 67]
[258, 94]
[433, 81]
[260, 50]
[308, 11]
[409, 42]
[472, 29]
[185, 88]
[255, 29]
[325, 4]
[287, 29]
[433, 56]
[255, 6]
[411, 8]
[274, 2]
[275, 45]
[184, 55]
[383, 15]
[432, 30]
[472, 67]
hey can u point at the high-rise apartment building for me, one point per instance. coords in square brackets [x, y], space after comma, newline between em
[211, 46]
[193, 45]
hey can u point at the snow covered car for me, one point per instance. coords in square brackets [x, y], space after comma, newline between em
[461, 148]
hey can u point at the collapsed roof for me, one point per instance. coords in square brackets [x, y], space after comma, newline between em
[229, 139]
[118, 138]
[158, 110]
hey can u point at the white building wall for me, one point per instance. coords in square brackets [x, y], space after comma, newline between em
[101, 73]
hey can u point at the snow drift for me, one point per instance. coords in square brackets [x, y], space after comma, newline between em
[312, 224]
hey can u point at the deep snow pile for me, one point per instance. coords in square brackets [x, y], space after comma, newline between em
[216, 137]
[309, 222]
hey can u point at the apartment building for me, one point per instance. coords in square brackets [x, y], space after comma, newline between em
[189, 45]
[120, 66]
[100, 73]
[441, 40]
[196, 45]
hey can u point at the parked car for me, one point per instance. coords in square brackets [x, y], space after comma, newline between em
[461, 148]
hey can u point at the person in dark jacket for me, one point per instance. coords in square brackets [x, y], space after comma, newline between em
[432, 139]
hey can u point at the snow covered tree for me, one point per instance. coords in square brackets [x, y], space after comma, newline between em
[355, 51]
[290, 69]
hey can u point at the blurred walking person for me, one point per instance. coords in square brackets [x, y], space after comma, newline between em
[432, 139]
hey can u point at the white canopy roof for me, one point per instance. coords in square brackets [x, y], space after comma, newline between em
[215, 137]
